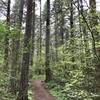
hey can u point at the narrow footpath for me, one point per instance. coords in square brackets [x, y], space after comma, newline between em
[39, 91]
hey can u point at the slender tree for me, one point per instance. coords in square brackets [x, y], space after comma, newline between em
[40, 30]
[62, 23]
[6, 56]
[56, 28]
[15, 61]
[93, 24]
[47, 58]
[33, 33]
[85, 34]
[71, 30]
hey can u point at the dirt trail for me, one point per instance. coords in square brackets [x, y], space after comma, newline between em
[40, 93]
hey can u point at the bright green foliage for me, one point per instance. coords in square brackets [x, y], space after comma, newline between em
[4, 86]
[71, 80]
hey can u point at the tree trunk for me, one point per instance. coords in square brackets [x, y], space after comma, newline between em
[40, 31]
[94, 23]
[33, 34]
[71, 31]
[16, 55]
[56, 29]
[87, 50]
[47, 60]
[6, 55]
[62, 25]
[23, 92]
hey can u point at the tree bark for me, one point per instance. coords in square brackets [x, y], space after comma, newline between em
[33, 34]
[6, 55]
[56, 29]
[47, 59]
[16, 55]
[23, 92]
[93, 24]
[40, 31]
[71, 31]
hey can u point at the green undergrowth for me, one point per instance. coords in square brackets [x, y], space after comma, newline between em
[66, 91]
[4, 87]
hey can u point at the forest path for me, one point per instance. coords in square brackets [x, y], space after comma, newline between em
[39, 91]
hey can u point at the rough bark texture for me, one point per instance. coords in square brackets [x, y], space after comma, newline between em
[47, 62]
[23, 92]
[33, 34]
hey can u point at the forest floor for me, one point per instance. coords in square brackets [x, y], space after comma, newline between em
[40, 92]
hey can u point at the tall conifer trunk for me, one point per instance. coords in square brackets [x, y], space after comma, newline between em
[6, 55]
[23, 92]
[33, 34]
[40, 31]
[56, 29]
[71, 31]
[47, 59]
[16, 55]
[93, 24]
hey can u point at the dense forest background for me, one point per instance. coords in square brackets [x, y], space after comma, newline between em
[57, 42]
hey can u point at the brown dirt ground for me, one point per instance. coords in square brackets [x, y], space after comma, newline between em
[39, 91]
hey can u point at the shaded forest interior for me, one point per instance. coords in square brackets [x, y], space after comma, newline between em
[49, 49]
